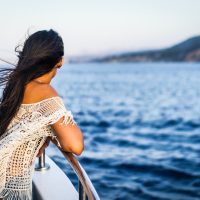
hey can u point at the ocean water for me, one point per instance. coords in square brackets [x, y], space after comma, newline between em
[141, 125]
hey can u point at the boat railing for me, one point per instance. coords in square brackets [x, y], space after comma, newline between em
[86, 189]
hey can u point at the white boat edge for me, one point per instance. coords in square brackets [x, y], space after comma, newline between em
[52, 184]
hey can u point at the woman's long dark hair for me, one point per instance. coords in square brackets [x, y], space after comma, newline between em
[40, 53]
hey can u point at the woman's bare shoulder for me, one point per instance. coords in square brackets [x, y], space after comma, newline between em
[38, 92]
[47, 91]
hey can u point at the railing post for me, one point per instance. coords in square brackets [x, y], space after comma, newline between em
[86, 189]
[81, 192]
[41, 163]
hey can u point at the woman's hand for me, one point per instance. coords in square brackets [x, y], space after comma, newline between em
[43, 146]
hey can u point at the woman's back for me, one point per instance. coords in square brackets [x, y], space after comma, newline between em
[35, 92]
[40, 116]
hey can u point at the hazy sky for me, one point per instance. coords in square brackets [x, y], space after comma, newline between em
[101, 26]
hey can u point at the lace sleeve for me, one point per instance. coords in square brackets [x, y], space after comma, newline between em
[57, 110]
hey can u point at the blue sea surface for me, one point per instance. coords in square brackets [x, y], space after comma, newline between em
[141, 126]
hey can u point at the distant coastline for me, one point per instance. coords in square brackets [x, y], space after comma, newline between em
[186, 51]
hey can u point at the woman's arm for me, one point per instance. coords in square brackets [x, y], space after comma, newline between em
[69, 136]
[68, 133]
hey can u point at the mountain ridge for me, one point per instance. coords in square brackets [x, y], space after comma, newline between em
[185, 51]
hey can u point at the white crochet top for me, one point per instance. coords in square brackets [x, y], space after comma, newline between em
[21, 142]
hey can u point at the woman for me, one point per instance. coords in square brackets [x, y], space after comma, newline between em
[32, 113]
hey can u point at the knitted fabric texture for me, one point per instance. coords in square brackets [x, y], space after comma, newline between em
[20, 144]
